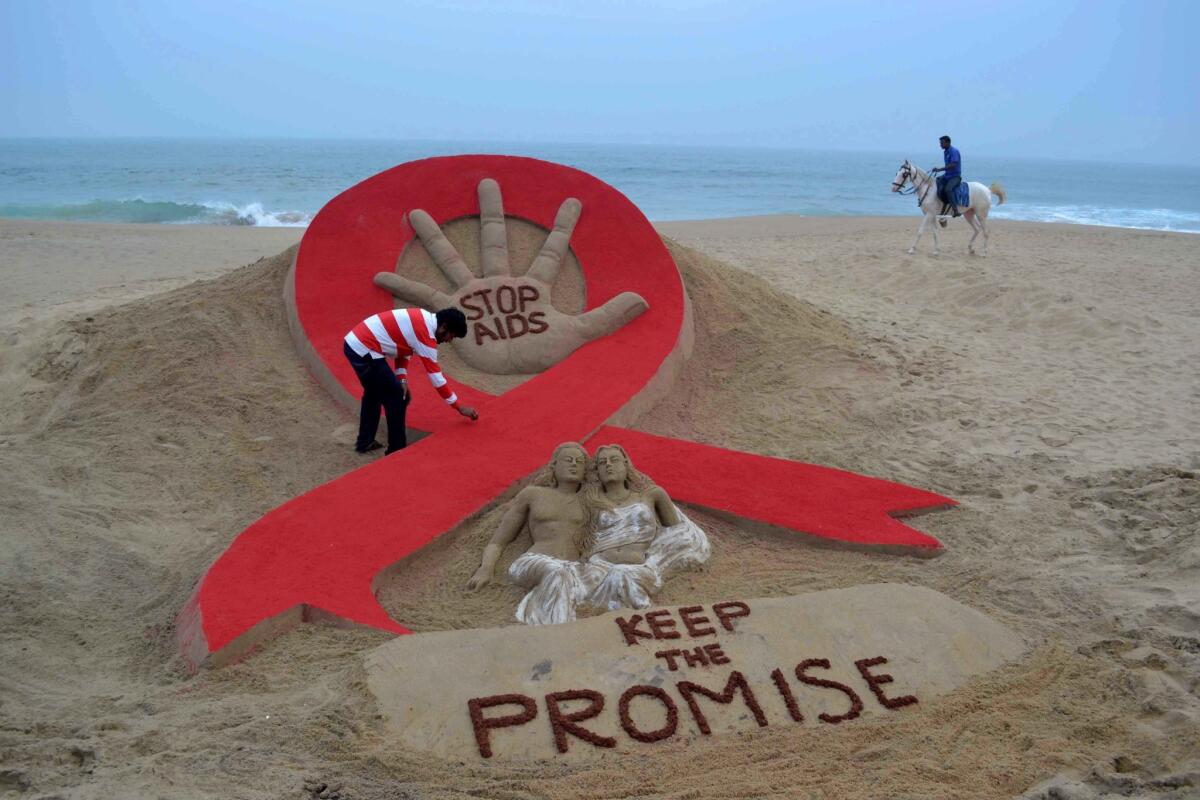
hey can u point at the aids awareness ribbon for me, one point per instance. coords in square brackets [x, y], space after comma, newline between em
[322, 554]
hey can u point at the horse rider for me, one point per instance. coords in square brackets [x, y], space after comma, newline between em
[948, 182]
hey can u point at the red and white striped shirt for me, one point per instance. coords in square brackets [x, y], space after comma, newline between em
[400, 334]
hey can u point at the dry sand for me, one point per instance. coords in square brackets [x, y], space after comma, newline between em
[1051, 387]
[49, 268]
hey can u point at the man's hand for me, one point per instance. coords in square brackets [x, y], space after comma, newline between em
[405, 394]
[512, 326]
[937, 169]
[467, 411]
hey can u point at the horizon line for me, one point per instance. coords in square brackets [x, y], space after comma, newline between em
[534, 142]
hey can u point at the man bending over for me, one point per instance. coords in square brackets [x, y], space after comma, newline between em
[399, 334]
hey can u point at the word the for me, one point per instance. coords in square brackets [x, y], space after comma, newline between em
[703, 656]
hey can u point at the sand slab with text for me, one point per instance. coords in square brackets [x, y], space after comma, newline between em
[630, 680]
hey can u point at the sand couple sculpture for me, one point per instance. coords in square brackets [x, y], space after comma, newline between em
[604, 537]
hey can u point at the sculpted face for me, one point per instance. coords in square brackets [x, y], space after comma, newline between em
[611, 465]
[570, 465]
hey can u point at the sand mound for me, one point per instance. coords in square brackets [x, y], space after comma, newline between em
[137, 443]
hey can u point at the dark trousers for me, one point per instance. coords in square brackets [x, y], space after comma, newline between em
[946, 187]
[380, 389]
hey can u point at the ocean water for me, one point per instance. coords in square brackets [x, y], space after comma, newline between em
[285, 182]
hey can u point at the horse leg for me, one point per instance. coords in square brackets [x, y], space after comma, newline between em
[912, 248]
[937, 241]
[969, 216]
[983, 208]
[983, 229]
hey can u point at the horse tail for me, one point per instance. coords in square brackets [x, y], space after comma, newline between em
[997, 189]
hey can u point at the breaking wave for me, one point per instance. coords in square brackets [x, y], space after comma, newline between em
[1153, 219]
[161, 211]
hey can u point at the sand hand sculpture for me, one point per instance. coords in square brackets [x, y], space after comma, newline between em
[514, 329]
[637, 537]
[553, 510]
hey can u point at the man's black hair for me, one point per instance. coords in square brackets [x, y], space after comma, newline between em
[454, 321]
[944, 138]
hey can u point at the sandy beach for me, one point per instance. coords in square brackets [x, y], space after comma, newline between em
[52, 268]
[152, 405]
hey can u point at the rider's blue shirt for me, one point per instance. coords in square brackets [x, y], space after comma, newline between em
[953, 162]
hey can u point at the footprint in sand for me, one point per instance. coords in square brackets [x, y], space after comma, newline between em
[348, 429]
[1054, 435]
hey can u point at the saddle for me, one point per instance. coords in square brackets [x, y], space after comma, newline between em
[962, 198]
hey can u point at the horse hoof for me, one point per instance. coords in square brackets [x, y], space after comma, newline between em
[911, 251]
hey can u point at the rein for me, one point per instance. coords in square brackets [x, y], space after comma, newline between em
[929, 184]
[910, 175]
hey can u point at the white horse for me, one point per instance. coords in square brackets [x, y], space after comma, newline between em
[925, 188]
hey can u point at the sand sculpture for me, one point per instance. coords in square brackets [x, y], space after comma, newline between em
[603, 537]
[502, 308]
[320, 555]
[553, 510]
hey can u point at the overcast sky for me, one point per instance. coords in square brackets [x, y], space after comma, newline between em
[1092, 80]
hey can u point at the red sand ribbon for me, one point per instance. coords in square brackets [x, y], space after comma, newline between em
[321, 553]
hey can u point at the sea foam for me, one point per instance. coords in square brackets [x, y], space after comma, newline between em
[1153, 219]
[141, 210]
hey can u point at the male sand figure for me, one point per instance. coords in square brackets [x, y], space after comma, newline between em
[399, 334]
[553, 509]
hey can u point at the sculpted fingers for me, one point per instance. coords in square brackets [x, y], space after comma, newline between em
[545, 267]
[609, 317]
[443, 253]
[493, 236]
[412, 293]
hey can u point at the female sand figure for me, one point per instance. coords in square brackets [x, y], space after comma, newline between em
[637, 537]
[550, 569]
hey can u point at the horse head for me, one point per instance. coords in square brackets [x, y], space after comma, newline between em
[903, 176]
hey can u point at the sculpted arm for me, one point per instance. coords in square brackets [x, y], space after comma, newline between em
[510, 525]
[668, 515]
